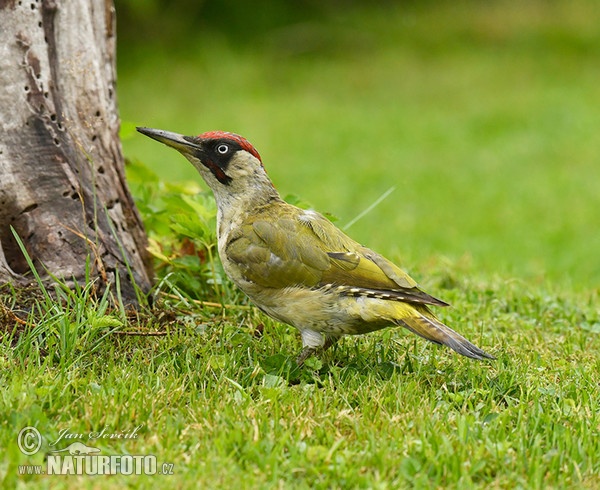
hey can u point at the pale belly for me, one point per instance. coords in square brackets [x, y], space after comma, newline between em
[323, 311]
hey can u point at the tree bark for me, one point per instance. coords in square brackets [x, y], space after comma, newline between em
[62, 183]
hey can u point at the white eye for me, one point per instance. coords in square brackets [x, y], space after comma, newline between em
[222, 149]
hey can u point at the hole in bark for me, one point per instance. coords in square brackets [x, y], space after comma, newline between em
[40, 24]
[59, 126]
[56, 142]
[46, 95]
[110, 93]
[38, 75]
[53, 117]
[26, 88]
[66, 193]
[100, 169]
[14, 257]
[98, 113]
[32, 6]
[29, 208]
[75, 196]
[94, 137]
[60, 233]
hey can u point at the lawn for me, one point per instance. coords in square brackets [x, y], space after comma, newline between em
[481, 118]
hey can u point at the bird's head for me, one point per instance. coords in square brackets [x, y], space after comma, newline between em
[228, 163]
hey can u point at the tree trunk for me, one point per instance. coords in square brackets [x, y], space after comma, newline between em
[62, 184]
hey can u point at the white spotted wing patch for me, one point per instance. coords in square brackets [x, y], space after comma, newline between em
[389, 295]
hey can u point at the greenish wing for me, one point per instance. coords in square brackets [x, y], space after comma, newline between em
[278, 254]
[307, 249]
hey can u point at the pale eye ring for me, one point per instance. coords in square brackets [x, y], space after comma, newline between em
[222, 149]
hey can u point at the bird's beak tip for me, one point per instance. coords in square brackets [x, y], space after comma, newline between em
[150, 131]
[174, 140]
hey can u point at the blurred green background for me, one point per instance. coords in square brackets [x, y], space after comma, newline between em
[483, 115]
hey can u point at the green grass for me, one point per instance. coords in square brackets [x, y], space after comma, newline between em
[484, 118]
[219, 398]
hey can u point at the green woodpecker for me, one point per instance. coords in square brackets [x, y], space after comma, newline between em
[295, 265]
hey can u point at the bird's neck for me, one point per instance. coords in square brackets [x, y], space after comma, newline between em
[234, 208]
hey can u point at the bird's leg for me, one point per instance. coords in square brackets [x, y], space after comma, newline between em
[305, 353]
[311, 342]
[330, 341]
[309, 350]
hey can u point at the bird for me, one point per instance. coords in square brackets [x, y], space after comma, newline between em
[294, 264]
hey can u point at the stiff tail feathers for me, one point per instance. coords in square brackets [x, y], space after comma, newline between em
[435, 331]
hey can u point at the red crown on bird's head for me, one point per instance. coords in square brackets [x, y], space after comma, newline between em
[243, 142]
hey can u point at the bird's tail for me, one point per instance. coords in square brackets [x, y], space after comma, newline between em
[423, 323]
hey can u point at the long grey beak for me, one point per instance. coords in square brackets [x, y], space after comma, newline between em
[174, 140]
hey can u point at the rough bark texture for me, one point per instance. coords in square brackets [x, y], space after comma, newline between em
[62, 185]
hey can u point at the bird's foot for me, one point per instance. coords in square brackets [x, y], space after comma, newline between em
[305, 353]
[309, 351]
